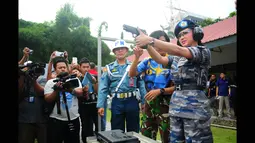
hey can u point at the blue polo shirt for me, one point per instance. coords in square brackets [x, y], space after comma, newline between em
[223, 87]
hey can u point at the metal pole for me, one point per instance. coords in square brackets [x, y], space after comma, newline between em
[99, 63]
[114, 39]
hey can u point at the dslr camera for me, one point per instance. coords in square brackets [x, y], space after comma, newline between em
[69, 81]
[33, 69]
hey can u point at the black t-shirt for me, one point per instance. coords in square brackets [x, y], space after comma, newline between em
[212, 87]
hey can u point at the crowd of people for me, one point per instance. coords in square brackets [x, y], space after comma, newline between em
[168, 87]
[222, 90]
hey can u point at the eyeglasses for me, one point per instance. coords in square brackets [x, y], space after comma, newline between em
[182, 34]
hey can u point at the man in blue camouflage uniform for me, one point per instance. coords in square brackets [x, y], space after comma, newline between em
[116, 82]
[189, 107]
[158, 84]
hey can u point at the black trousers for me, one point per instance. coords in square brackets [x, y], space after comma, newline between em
[233, 101]
[58, 131]
[28, 132]
[89, 117]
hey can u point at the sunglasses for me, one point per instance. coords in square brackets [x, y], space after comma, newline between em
[183, 33]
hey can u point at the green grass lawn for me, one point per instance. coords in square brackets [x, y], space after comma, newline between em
[220, 135]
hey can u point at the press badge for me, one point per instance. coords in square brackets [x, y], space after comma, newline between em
[31, 99]
[131, 82]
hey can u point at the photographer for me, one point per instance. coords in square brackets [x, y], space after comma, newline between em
[31, 119]
[64, 122]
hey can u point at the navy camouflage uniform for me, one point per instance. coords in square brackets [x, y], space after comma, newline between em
[125, 103]
[189, 108]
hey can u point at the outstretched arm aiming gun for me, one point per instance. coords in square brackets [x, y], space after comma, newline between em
[134, 31]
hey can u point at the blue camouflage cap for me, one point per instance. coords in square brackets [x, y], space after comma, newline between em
[183, 24]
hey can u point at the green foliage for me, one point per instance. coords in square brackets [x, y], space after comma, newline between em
[206, 22]
[210, 21]
[232, 14]
[67, 33]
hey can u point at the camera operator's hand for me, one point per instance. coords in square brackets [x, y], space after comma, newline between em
[52, 56]
[70, 90]
[85, 88]
[65, 54]
[26, 52]
[58, 86]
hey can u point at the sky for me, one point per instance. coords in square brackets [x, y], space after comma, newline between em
[146, 14]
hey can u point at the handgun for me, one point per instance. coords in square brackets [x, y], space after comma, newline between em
[134, 32]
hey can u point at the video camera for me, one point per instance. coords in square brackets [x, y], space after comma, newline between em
[69, 81]
[34, 69]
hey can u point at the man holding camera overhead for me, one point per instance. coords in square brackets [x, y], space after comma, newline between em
[62, 92]
[32, 120]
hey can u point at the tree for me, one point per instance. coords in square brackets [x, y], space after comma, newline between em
[206, 22]
[232, 14]
[68, 32]
[210, 21]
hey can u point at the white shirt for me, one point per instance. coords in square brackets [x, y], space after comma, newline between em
[72, 103]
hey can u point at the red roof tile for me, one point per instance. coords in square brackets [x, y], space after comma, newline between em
[220, 30]
[212, 32]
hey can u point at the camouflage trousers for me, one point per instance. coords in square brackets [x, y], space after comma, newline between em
[191, 130]
[155, 117]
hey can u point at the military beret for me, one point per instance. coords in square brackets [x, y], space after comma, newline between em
[183, 24]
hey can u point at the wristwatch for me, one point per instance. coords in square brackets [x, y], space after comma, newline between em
[162, 90]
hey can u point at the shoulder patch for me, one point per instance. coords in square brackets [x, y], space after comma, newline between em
[114, 70]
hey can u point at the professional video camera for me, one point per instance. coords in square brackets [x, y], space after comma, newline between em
[33, 69]
[69, 81]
